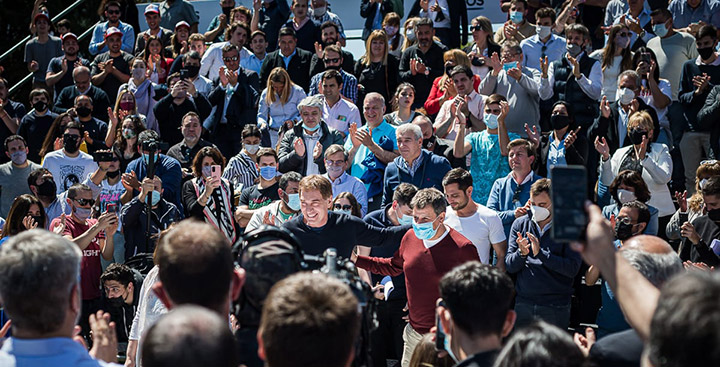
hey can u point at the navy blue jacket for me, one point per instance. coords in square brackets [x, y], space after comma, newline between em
[169, 171]
[545, 279]
[502, 198]
[430, 174]
[379, 218]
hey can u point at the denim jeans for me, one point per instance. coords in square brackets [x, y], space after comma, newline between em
[558, 315]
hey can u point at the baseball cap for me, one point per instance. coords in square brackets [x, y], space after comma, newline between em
[112, 31]
[152, 8]
[68, 35]
[42, 14]
[182, 23]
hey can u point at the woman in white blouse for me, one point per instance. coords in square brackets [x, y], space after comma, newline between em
[652, 160]
[656, 92]
[278, 104]
[614, 58]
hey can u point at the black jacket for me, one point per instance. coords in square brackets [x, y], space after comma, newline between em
[368, 9]
[123, 316]
[169, 115]
[242, 109]
[709, 115]
[574, 154]
[291, 161]
[66, 100]
[298, 68]
[458, 20]
[134, 220]
[317, 66]
[608, 127]
[708, 231]
[140, 42]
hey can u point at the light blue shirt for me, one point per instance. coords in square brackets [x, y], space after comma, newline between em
[128, 38]
[487, 164]
[287, 59]
[532, 49]
[229, 90]
[353, 185]
[384, 129]
[252, 63]
[556, 152]
[617, 8]
[56, 352]
[708, 11]
[275, 114]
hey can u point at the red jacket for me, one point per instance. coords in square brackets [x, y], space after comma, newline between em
[432, 105]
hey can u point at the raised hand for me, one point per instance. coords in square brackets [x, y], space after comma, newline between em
[223, 76]
[640, 152]
[29, 223]
[523, 244]
[299, 146]
[602, 147]
[572, 136]
[533, 134]
[269, 219]
[130, 181]
[504, 110]
[318, 50]
[59, 226]
[494, 62]
[104, 337]
[681, 200]
[575, 65]
[688, 231]
[534, 243]
[365, 137]
[544, 65]
[317, 150]
[585, 342]
[413, 66]
[605, 107]
[509, 30]
[353, 135]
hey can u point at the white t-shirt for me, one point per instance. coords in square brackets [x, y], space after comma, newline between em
[482, 229]
[68, 171]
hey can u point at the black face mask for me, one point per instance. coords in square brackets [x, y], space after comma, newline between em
[115, 302]
[39, 106]
[192, 70]
[429, 143]
[112, 174]
[636, 135]
[448, 69]
[706, 53]
[70, 143]
[623, 231]
[83, 111]
[714, 215]
[47, 188]
[559, 121]
[333, 67]
[226, 11]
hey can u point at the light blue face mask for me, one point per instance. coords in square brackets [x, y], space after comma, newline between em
[509, 65]
[491, 120]
[293, 202]
[82, 213]
[424, 231]
[516, 17]
[404, 219]
[268, 172]
[660, 30]
[146, 158]
[311, 129]
[155, 197]
[343, 211]
[446, 344]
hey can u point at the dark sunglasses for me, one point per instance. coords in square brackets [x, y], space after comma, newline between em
[71, 136]
[327, 61]
[516, 194]
[234, 58]
[474, 28]
[343, 207]
[113, 11]
[623, 34]
[84, 202]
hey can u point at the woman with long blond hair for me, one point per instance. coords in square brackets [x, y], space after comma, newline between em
[278, 105]
[376, 70]
[614, 58]
[443, 88]
[482, 46]
[391, 26]
[409, 32]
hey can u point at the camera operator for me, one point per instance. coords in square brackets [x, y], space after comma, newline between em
[134, 217]
[318, 229]
[165, 167]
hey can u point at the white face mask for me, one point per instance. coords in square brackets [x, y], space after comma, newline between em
[539, 213]
[319, 11]
[543, 30]
[625, 96]
[625, 196]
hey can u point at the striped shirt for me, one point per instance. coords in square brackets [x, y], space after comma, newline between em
[241, 171]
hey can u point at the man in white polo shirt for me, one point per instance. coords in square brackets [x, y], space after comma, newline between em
[338, 112]
[480, 224]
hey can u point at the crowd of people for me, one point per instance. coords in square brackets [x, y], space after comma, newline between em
[138, 168]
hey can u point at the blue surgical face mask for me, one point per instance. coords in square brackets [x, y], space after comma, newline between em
[509, 65]
[446, 344]
[268, 172]
[311, 129]
[82, 213]
[146, 158]
[343, 211]
[660, 30]
[516, 17]
[293, 202]
[491, 120]
[403, 219]
[155, 197]
[424, 231]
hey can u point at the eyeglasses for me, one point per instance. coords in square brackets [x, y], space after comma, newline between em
[328, 61]
[516, 194]
[83, 202]
[623, 34]
[113, 11]
[474, 28]
[342, 207]
[71, 136]
[625, 220]
[334, 163]
[234, 58]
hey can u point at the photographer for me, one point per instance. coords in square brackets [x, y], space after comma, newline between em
[110, 195]
[134, 217]
[167, 168]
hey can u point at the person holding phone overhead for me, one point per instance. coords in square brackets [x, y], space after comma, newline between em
[208, 197]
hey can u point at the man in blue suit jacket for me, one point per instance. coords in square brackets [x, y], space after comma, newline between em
[414, 165]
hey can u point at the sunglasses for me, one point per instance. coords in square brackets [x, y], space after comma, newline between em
[542, 50]
[327, 61]
[113, 11]
[342, 207]
[83, 202]
[623, 34]
[474, 28]
[234, 58]
[516, 194]
[625, 220]
[71, 136]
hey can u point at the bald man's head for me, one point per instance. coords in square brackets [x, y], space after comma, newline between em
[652, 257]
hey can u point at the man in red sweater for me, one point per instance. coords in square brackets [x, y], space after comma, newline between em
[426, 253]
